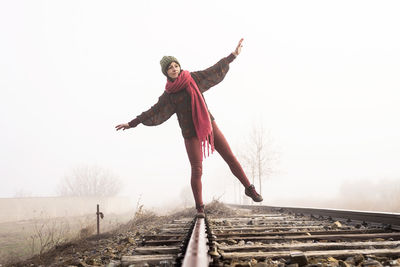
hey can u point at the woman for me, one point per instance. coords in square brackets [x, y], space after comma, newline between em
[183, 95]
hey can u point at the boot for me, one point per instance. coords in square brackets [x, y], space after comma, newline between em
[251, 192]
[200, 211]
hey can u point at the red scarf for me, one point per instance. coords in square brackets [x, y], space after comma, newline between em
[200, 115]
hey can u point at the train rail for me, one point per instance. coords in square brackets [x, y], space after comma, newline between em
[275, 236]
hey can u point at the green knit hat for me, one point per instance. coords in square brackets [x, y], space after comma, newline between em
[165, 61]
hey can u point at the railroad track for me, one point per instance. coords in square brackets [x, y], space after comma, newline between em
[275, 236]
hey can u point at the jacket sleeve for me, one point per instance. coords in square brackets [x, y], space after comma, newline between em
[207, 78]
[157, 114]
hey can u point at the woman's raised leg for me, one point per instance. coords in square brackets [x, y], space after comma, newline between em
[222, 147]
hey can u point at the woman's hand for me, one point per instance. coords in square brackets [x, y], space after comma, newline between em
[238, 48]
[123, 126]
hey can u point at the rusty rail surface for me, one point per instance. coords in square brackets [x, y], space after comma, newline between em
[197, 251]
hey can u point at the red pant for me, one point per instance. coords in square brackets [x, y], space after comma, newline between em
[195, 158]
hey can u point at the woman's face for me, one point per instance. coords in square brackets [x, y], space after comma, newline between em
[173, 70]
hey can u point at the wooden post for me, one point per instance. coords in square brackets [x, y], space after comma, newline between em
[99, 215]
[98, 220]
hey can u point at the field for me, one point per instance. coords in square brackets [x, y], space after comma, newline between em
[22, 239]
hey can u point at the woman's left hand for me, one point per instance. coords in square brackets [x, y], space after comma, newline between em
[238, 48]
[123, 126]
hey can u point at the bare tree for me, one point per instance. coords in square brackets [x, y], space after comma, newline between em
[89, 181]
[258, 155]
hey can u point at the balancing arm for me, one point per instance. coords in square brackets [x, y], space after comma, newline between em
[156, 115]
[207, 78]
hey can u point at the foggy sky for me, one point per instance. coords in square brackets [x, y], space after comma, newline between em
[321, 76]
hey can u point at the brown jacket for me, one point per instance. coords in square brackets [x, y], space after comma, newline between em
[180, 102]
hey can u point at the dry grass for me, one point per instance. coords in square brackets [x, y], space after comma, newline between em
[216, 208]
[23, 239]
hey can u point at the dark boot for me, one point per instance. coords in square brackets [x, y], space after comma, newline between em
[200, 211]
[251, 192]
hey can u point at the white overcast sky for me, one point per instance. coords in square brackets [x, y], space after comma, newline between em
[321, 76]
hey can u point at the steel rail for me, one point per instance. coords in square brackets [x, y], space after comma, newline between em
[392, 219]
[196, 254]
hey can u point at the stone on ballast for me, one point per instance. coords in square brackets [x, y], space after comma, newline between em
[395, 262]
[336, 225]
[226, 223]
[113, 264]
[343, 264]
[371, 263]
[299, 258]
[358, 259]
[262, 264]
[331, 259]
[253, 262]
[231, 241]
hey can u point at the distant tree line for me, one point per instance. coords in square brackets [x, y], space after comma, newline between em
[84, 181]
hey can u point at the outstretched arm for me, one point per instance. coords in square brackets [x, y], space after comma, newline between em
[157, 114]
[207, 78]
